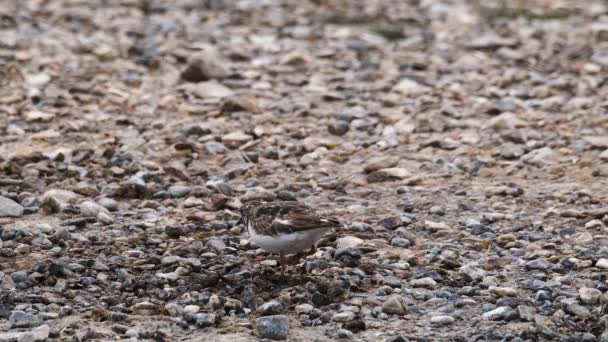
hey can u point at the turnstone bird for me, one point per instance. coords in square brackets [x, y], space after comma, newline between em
[285, 228]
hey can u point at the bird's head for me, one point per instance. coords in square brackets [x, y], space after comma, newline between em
[246, 211]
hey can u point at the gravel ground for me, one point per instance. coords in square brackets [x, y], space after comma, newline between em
[464, 142]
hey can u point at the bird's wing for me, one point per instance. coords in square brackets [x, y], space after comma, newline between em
[291, 218]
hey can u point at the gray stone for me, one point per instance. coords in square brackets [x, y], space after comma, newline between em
[500, 313]
[170, 260]
[401, 242]
[338, 128]
[11, 336]
[538, 264]
[602, 263]
[347, 251]
[10, 208]
[526, 313]
[395, 305]
[511, 151]
[204, 320]
[571, 307]
[424, 282]
[473, 271]
[541, 156]
[217, 245]
[215, 147]
[392, 222]
[270, 308]
[304, 308]
[442, 320]
[174, 309]
[37, 334]
[379, 163]
[20, 319]
[349, 241]
[62, 196]
[258, 193]
[178, 191]
[343, 317]
[19, 276]
[273, 327]
[589, 296]
[171, 276]
[92, 209]
[437, 210]
[108, 203]
[133, 333]
[410, 87]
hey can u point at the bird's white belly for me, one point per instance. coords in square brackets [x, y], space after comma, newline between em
[288, 243]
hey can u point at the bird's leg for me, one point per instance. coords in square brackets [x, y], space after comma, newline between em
[283, 262]
[300, 255]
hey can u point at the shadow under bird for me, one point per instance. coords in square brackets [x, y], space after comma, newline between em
[285, 228]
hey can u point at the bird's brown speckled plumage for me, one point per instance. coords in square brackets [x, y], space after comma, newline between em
[275, 218]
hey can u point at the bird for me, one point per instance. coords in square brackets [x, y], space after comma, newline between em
[285, 227]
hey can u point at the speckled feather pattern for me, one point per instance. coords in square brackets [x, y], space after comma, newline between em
[276, 218]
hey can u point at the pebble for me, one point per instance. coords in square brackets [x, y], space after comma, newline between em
[409, 87]
[215, 147]
[396, 338]
[348, 241]
[20, 319]
[171, 276]
[602, 263]
[40, 333]
[179, 191]
[108, 203]
[378, 163]
[593, 224]
[575, 309]
[350, 252]
[442, 320]
[526, 313]
[274, 327]
[270, 308]
[473, 271]
[511, 151]
[343, 317]
[19, 276]
[133, 333]
[541, 156]
[436, 226]
[10, 208]
[401, 242]
[424, 282]
[258, 193]
[338, 127]
[505, 238]
[204, 320]
[500, 313]
[285, 195]
[504, 291]
[437, 210]
[304, 308]
[393, 222]
[538, 264]
[395, 305]
[589, 296]
[235, 139]
[92, 209]
[174, 310]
